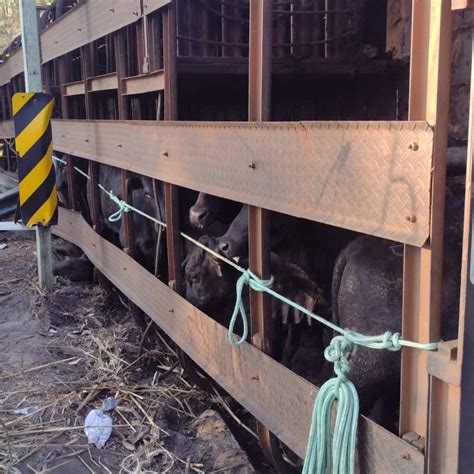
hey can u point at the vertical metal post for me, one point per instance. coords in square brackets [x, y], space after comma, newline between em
[65, 114]
[173, 237]
[171, 113]
[32, 68]
[260, 71]
[465, 354]
[120, 54]
[429, 100]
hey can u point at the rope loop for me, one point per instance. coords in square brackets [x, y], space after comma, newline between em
[123, 207]
[250, 279]
[388, 340]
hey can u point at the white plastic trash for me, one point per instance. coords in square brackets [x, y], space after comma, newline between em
[98, 427]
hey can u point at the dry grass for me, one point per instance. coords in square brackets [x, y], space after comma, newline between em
[108, 369]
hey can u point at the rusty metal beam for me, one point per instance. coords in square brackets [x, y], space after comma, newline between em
[141, 84]
[465, 350]
[102, 83]
[74, 88]
[65, 114]
[365, 180]
[171, 111]
[121, 65]
[259, 110]
[429, 100]
[173, 236]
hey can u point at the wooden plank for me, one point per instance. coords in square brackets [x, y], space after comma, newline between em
[280, 399]
[12, 67]
[152, 5]
[357, 175]
[6, 129]
[89, 21]
[152, 82]
[462, 4]
[102, 83]
[74, 88]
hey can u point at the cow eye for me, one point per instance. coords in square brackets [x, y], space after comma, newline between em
[148, 195]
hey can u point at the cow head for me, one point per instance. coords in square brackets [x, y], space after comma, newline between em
[210, 283]
[234, 243]
[208, 209]
[204, 211]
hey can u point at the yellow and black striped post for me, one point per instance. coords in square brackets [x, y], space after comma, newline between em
[33, 139]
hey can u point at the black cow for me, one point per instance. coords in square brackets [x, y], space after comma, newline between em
[210, 285]
[80, 183]
[314, 247]
[367, 297]
[209, 209]
[142, 197]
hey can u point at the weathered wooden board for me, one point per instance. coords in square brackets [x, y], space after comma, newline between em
[277, 397]
[74, 88]
[462, 4]
[371, 177]
[12, 67]
[102, 83]
[90, 20]
[152, 82]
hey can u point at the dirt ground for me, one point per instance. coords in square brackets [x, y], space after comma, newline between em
[63, 353]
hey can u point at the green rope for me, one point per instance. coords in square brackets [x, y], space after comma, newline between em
[123, 207]
[247, 278]
[326, 449]
[389, 341]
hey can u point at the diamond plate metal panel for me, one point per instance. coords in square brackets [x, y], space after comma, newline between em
[371, 177]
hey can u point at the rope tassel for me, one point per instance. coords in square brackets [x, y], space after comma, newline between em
[334, 450]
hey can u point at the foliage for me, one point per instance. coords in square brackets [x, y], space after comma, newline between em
[10, 20]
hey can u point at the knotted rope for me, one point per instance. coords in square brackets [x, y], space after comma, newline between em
[247, 278]
[337, 449]
[123, 207]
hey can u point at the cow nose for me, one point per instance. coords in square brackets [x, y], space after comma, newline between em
[224, 246]
[202, 216]
[198, 216]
